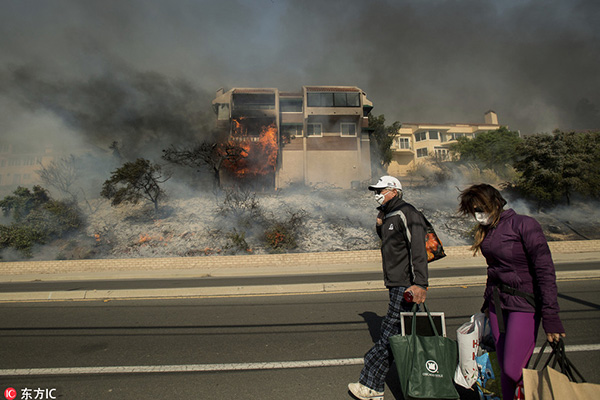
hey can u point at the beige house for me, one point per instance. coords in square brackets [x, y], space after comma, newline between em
[321, 133]
[19, 166]
[420, 142]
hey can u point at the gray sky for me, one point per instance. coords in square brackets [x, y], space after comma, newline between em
[102, 68]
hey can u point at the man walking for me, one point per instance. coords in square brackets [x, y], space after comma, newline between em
[404, 261]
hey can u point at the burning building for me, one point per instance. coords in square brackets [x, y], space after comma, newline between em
[314, 137]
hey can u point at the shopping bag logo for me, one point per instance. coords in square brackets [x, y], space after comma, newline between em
[431, 366]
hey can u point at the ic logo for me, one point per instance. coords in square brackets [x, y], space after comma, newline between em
[10, 393]
[431, 366]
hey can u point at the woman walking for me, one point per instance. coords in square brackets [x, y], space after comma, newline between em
[521, 285]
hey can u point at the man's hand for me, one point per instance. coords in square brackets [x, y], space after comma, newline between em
[380, 218]
[419, 294]
[555, 337]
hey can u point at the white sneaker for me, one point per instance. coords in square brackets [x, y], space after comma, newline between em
[363, 392]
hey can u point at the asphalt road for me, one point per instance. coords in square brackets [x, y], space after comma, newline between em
[254, 347]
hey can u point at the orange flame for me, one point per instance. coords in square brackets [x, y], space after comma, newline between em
[259, 155]
[145, 238]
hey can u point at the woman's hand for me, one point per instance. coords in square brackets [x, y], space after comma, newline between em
[555, 337]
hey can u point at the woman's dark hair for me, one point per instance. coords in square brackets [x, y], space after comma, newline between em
[486, 197]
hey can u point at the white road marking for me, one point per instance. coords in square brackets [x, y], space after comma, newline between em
[147, 369]
[182, 368]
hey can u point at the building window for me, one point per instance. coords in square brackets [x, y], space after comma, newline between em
[403, 143]
[346, 100]
[441, 153]
[290, 105]
[453, 136]
[290, 131]
[434, 135]
[422, 152]
[314, 130]
[337, 99]
[348, 129]
[319, 99]
[420, 136]
[253, 101]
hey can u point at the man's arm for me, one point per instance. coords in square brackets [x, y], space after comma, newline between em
[417, 228]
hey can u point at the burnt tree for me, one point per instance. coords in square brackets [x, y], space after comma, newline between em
[210, 155]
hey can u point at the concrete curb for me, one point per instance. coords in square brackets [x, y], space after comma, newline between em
[252, 265]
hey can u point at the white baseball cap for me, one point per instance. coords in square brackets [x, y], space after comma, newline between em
[386, 181]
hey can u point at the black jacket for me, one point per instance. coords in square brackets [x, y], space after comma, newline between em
[397, 270]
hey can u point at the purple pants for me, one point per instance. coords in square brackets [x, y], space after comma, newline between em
[514, 347]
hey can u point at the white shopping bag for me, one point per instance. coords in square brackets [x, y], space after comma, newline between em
[469, 337]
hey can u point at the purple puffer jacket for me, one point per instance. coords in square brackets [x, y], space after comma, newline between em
[506, 249]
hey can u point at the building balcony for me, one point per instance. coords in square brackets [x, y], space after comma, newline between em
[402, 150]
[354, 111]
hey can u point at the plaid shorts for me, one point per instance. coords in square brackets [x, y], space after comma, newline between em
[379, 358]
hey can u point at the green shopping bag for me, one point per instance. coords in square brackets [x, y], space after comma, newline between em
[425, 364]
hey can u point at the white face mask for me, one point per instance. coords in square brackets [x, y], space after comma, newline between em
[483, 218]
[380, 198]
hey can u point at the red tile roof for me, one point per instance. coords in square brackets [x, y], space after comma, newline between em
[254, 90]
[332, 89]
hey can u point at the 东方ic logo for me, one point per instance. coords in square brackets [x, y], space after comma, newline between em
[10, 393]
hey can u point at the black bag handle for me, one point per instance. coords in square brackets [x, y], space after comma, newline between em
[559, 356]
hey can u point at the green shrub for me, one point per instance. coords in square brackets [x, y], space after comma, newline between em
[37, 219]
[20, 237]
[237, 241]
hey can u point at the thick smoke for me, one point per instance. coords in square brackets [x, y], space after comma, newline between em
[533, 62]
[449, 61]
[143, 112]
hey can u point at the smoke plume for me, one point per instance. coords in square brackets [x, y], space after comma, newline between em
[143, 112]
[534, 62]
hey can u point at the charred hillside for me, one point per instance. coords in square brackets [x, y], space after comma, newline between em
[294, 220]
